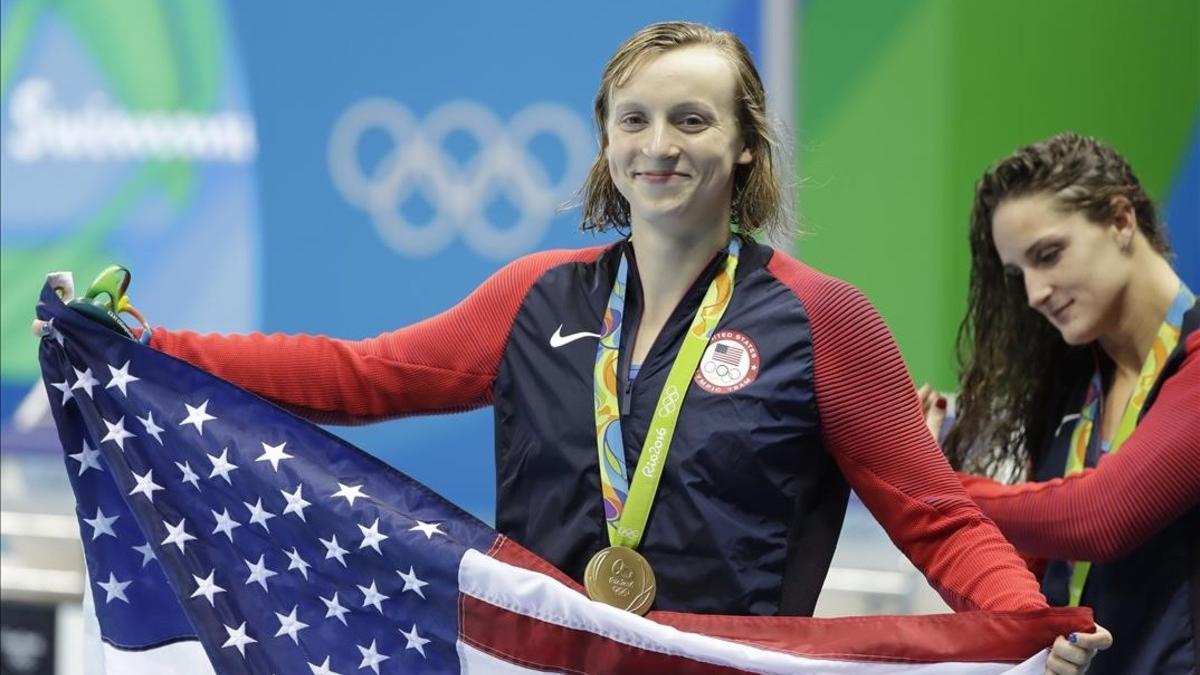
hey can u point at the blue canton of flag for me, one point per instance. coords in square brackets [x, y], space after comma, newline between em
[289, 553]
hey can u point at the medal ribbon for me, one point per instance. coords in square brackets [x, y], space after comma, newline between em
[1165, 342]
[626, 504]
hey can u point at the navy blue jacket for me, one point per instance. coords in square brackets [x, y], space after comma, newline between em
[1149, 598]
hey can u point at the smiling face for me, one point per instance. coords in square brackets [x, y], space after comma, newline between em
[1075, 271]
[674, 141]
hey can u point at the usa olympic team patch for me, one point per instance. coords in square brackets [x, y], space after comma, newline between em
[729, 363]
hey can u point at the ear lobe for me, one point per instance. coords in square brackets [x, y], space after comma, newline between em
[746, 157]
[1125, 243]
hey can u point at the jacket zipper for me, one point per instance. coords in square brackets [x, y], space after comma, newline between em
[623, 364]
[626, 354]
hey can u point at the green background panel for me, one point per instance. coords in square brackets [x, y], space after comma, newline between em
[902, 105]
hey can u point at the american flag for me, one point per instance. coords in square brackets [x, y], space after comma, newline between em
[727, 353]
[221, 533]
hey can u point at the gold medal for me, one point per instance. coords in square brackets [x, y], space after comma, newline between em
[621, 577]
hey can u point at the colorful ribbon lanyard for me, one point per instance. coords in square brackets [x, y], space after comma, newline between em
[1165, 342]
[626, 505]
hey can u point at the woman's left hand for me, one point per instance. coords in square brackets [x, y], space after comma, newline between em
[933, 405]
[1072, 655]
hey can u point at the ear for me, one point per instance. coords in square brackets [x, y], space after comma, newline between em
[1124, 221]
[746, 157]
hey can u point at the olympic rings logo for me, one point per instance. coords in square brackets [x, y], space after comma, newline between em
[670, 401]
[417, 165]
[722, 372]
[629, 532]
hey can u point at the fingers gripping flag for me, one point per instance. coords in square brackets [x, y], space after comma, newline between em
[222, 533]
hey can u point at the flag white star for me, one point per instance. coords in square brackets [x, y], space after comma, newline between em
[350, 492]
[88, 458]
[121, 378]
[84, 381]
[411, 582]
[222, 466]
[151, 428]
[145, 485]
[371, 658]
[114, 588]
[415, 641]
[273, 454]
[197, 417]
[428, 529]
[116, 433]
[332, 550]
[65, 388]
[147, 553]
[101, 524]
[372, 537]
[322, 669]
[259, 572]
[296, 562]
[296, 503]
[289, 625]
[238, 638]
[259, 515]
[177, 535]
[189, 476]
[334, 608]
[207, 587]
[225, 524]
[372, 596]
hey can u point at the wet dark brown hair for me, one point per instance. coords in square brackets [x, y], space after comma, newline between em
[757, 205]
[1016, 370]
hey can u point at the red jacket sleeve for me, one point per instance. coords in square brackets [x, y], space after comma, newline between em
[873, 427]
[1130, 496]
[443, 364]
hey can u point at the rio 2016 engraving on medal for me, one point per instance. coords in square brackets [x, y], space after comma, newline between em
[621, 577]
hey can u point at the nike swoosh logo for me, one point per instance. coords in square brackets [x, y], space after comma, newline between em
[558, 339]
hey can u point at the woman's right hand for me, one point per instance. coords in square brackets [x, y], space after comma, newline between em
[1073, 654]
[933, 406]
[63, 283]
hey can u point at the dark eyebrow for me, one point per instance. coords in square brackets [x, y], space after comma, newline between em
[1043, 241]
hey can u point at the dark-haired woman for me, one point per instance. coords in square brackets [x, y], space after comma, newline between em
[1081, 370]
[750, 391]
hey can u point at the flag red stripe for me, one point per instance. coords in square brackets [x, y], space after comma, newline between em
[1001, 637]
[973, 637]
[533, 643]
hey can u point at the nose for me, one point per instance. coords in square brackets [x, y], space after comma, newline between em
[660, 142]
[1037, 288]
